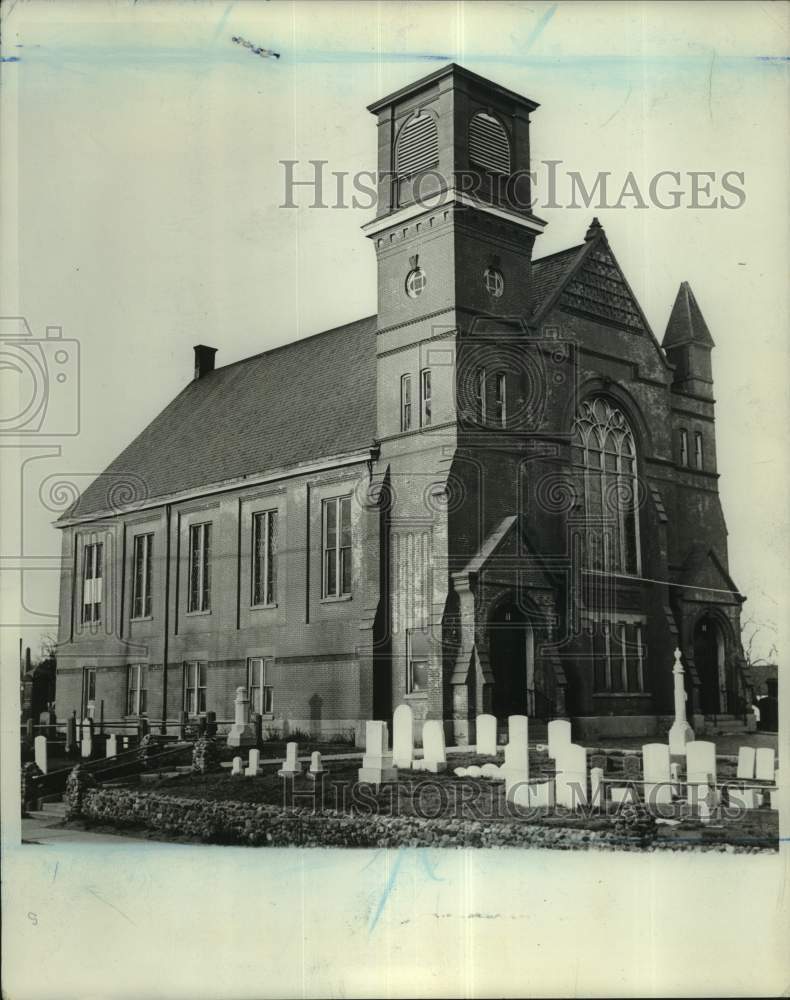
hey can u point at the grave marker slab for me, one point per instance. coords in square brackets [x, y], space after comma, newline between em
[317, 769]
[486, 735]
[764, 764]
[241, 733]
[253, 768]
[700, 771]
[434, 753]
[403, 736]
[571, 776]
[657, 775]
[292, 766]
[237, 769]
[40, 752]
[377, 766]
[112, 746]
[559, 731]
[746, 762]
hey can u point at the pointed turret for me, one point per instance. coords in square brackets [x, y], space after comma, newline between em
[688, 343]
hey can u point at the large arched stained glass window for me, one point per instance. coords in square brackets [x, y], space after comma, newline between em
[604, 455]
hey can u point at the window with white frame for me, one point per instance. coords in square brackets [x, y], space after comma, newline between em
[618, 657]
[405, 403]
[425, 397]
[336, 535]
[141, 580]
[684, 446]
[259, 685]
[199, 567]
[264, 558]
[136, 694]
[501, 399]
[194, 687]
[698, 461]
[480, 394]
[418, 658]
[92, 581]
[604, 454]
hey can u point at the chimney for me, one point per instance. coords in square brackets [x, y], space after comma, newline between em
[204, 360]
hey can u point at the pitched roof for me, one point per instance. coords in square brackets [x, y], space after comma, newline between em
[686, 323]
[303, 401]
[549, 272]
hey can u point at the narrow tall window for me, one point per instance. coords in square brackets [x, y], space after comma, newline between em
[141, 591]
[337, 546]
[604, 453]
[684, 447]
[425, 397]
[92, 582]
[199, 567]
[194, 688]
[405, 403]
[88, 692]
[264, 557]
[136, 697]
[418, 659]
[698, 450]
[501, 399]
[480, 394]
[259, 685]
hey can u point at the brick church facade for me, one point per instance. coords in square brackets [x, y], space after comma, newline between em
[497, 494]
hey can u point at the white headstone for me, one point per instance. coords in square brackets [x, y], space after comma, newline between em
[764, 764]
[40, 751]
[434, 754]
[680, 732]
[486, 735]
[237, 770]
[490, 771]
[86, 747]
[474, 772]
[377, 766]
[518, 730]
[746, 761]
[516, 758]
[559, 736]
[316, 767]
[459, 772]
[700, 771]
[241, 733]
[657, 776]
[112, 746]
[403, 736]
[597, 788]
[253, 768]
[571, 776]
[291, 767]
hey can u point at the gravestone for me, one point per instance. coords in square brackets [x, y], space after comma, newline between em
[377, 766]
[490, 771]
[40, 752]
[317, 769]
[403, 736]
[746, 762]
[700, 771]
[559, 731]
[764, 764]
[571, 776]
[237, 769]
[597, 788]
[680, 732]
[657, 776]
[291, 767]
[253, 768]
[516, 758]
[241, 734]
[631, 767]
[86, 747]
[486, 735]
[434, 753]
[111, 749]
[473, 771]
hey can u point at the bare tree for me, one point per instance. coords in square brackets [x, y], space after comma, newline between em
[754, 636]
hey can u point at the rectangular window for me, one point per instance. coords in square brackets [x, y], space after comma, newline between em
[194, 688]
[141, 589]
[88, 692]
[264, 558]
[199, 567]
[418, 657]
[698, 450]
[136, 698]
[92, 582]
[501, 399]
[405, 403]
[684, 447]
[618, 657]
[480, 394]
[336, 531]
[425, 397]
[259, 686]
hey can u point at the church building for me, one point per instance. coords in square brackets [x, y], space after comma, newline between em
[497, 494]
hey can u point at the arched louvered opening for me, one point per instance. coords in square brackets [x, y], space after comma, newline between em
[418, 145]
[489, 146]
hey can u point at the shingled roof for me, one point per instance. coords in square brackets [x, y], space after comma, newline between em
[306, 400]
[686, 323]
[549, 272]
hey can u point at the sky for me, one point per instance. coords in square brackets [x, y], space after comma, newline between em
[142, 195]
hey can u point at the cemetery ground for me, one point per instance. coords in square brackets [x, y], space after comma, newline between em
[419, 809]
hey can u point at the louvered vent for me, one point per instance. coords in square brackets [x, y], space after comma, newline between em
[418, 145]
[489, 147]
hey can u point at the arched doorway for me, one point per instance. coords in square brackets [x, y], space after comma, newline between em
[709, 659]
[512, 659]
